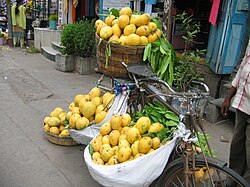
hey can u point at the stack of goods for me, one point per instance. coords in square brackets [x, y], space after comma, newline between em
[85, 110]
[122, 37]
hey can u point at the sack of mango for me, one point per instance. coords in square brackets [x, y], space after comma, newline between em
[126, 27]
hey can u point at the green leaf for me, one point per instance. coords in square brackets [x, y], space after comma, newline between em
[171, 123]
[172, 116]
[162, 50]
[91, 149]
[65, 122]
[114, 12]
[157, 43]
[153, 62]
[151, 135]
[147, 51]
[164, 44]
[154, 119]
[166, 61]
[131, 124]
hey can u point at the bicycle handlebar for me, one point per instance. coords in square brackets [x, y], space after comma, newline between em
[190, 94]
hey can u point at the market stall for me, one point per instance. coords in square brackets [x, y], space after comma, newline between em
[130, 130]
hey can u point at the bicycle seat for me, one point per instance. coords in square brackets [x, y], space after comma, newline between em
[140, 69]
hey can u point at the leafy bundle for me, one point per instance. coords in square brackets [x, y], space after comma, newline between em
[161, 57]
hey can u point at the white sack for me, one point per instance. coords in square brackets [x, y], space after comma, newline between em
[86, 135]
[140, 172]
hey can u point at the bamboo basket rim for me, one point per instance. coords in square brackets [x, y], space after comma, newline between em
[60, 140]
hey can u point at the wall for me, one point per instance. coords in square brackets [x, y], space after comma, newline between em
[43, 37]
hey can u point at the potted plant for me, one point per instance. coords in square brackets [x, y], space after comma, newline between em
[65, 61]
[79, 41]
[52, 22]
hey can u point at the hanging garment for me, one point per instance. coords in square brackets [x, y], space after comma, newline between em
[214, 12]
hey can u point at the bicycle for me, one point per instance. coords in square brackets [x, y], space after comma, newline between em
[187, 165]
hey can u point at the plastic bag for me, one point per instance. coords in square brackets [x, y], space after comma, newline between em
[135, 173]
[86, 135]
[140, 172]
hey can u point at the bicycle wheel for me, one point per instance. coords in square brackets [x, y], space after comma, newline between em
[173, 174]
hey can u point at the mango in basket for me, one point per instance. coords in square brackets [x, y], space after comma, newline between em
[99, 117]
[124, 153]
[126, 119]
[73, 119]
[88, 109]
[54, 130]
[156, 143]
[145, 144]
[155, 127]
[143, 124]
[82, 123]
[53, 121]
[125, 11]
[46, 127]
[133, 134]
[114, 137]
[65, 132]
[107, 153]
[116, 122]
[46, 119]
[105, 129]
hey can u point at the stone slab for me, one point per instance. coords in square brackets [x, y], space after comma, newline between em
[65, 63]
[85, 66]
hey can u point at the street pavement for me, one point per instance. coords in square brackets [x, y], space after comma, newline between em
[30, 88]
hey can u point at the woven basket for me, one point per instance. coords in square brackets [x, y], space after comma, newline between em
[60, 140]
[119, 53]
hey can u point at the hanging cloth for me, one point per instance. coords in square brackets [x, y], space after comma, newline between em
[65, 6]
[214, 12]
[20, 18]
[75, 3]
[74, 12]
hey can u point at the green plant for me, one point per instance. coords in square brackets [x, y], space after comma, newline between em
[32, 50]
[79, 39]
[53, 17]
[1, 34]
[187, 67]
[190, 27]
[84, 39]
[68, 39]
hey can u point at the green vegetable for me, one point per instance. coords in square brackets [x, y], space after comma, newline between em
[161, 57]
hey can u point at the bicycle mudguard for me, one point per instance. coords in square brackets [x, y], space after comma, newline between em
[140, 69]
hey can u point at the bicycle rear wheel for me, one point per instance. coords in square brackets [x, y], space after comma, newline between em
[173, 174]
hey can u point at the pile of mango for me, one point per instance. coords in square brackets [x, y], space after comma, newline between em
[128, 28]
[121, 140]
[85, 109]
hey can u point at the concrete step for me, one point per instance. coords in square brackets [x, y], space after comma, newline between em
[57, 46]
[49, 53]
[225, 88]
[213, 114]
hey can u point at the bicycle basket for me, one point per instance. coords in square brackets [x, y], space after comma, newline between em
[184, 105]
